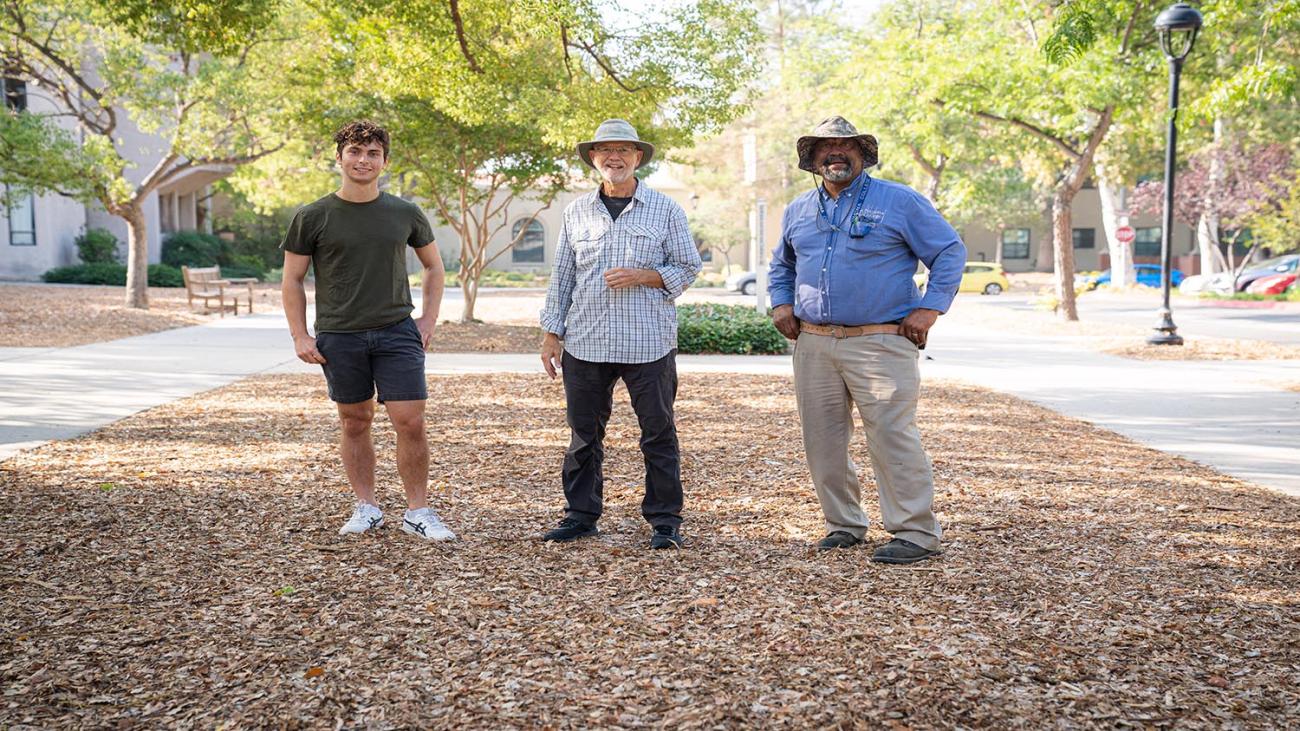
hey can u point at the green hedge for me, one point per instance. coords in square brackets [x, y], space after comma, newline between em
[236, 271]
[160, 275]
[191, 249]
[710, 328]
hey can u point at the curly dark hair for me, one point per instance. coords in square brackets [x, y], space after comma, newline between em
[361, 132]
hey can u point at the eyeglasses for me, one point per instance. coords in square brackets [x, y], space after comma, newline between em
[621, 150]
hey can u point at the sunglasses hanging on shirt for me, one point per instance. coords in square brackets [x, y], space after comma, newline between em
[859, 224]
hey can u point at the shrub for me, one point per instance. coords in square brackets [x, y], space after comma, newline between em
[162, 275]
[243, 265]
[191, 249]
[97, 246]
[236, 271]
[97, 273]
[112, 274]
[710, 328]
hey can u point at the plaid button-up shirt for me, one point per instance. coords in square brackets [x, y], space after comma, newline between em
[633, 325]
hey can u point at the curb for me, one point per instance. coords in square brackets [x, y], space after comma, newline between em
[1247, 304]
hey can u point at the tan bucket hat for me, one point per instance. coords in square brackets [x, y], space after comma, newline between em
[836, 127]
[616, 130]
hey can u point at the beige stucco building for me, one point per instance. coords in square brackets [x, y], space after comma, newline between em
[39, 232]
[1019, 246]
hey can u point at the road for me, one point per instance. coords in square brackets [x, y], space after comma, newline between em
[1193, 318]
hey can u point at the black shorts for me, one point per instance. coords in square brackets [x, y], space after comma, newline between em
[391, 358]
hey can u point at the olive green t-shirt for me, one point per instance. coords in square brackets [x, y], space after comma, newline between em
[358, 251]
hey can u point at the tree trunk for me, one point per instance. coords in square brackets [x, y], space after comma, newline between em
[997, 245]
[1063, 259]
[1114, 215]
[1207, 227]
[932, 188]
[469, 289]
[1044, 259]
[137, 258]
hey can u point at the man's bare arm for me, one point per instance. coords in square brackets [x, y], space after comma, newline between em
[432, 283]
[294, 297]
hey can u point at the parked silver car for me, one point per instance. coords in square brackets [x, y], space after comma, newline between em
[744, 282]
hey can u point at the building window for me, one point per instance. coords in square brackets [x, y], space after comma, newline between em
[531, 249]
[1147, 242]
[1085, 238]
[22, 221]
[15, 94]
[1015, 243]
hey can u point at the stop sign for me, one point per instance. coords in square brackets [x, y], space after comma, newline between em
[1125, 234]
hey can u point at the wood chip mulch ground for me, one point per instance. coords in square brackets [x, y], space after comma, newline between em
[60, 316]
[469, 337]
[181, 569]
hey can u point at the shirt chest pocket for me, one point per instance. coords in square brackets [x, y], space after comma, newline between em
[874, 236]
[587, 246]
[643, 246]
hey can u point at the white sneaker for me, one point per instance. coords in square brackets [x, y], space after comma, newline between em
[425, 524]
[364, 517]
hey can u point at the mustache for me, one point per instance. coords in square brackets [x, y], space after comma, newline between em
[834, 158]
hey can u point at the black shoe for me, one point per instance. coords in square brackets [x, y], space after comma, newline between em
[570, 529]
[901, 551]
[838, 539]
[666, 536]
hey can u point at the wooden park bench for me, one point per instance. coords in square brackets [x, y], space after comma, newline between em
[206, 284]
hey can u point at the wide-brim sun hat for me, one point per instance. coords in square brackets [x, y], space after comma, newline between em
[616, 130]
[836, 128]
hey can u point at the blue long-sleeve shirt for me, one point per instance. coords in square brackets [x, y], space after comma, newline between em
[833, 279]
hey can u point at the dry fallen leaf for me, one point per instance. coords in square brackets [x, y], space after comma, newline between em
[1078, 587]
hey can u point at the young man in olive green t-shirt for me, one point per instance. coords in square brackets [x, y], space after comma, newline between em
[356, 239]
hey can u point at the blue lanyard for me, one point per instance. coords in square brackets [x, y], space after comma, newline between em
[857, 206]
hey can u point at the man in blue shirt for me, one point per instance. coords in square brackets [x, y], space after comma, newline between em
[841, 285]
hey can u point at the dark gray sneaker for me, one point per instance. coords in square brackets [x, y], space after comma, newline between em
[569, 529]
[666, 536]
[838, 539]
[901, 551]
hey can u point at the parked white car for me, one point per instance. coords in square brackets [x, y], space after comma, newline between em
[1221, 283]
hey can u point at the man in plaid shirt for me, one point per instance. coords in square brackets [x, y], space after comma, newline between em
[625, 253]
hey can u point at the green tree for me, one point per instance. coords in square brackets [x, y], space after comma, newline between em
[485, 101]
[1239, 89]
[801, 44]
[1018, 74]
[198, 75]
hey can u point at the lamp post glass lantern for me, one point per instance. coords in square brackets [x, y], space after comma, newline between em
[1177, 27]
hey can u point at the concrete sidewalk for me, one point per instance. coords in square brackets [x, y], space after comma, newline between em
[1243, 422]
[1234, 416]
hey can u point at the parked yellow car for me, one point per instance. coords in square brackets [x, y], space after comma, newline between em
[985, 277]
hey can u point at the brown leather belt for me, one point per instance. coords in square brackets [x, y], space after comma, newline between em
[848, 331]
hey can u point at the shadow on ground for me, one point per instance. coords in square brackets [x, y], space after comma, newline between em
[181, 568]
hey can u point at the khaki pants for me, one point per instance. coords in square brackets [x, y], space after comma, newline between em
[879, 373]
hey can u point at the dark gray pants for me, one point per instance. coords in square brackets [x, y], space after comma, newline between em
[589, 392]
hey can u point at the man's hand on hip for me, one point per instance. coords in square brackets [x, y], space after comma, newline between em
[786, 323]
[552, 353]
[305, 348]
[916, 326]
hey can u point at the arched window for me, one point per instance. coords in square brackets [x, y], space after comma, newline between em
[531, 249]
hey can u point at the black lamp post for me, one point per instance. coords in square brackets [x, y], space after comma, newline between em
[1177, 27]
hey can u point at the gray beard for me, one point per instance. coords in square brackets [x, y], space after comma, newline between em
[836, 177]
